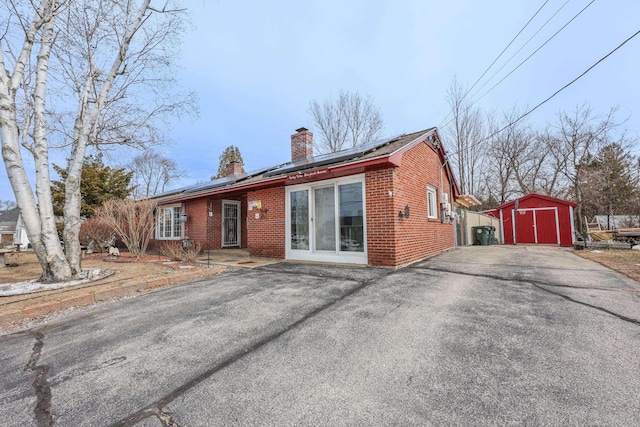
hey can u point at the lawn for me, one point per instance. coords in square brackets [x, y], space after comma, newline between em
[625, 261]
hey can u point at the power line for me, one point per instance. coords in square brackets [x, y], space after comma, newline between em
[535, 51]
[528, 57]
[524, 45]
[502, 53]
[557, 92]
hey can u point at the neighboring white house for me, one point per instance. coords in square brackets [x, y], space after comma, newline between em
[612, 222]
[12, 230]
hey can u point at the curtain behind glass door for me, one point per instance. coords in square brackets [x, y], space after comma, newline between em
[351, 217]
[325, 219]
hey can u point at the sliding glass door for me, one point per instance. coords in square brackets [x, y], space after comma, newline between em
[324, 202]
[325, 221]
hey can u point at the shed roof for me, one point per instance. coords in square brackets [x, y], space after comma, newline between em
[549, 199]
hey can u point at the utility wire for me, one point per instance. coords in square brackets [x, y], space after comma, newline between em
[527, 58]
[522, 47]
[502, 53]
[556, 92]
[534, 52]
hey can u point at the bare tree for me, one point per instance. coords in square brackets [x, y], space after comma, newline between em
[500, 180]
[549, 179]
[347, 121]
[466, 129]
[521, 161]
[576, 137]
[113, 59]
[5, 205]
[151, 173]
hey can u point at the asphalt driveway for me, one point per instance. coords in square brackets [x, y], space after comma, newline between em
[480, 335]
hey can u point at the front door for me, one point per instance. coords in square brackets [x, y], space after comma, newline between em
[230, 223]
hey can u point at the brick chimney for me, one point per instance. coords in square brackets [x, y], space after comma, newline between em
[301, 145]
[234, 168]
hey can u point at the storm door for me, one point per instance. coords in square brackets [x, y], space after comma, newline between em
[230, 223]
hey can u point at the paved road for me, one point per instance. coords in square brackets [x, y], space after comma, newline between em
[484, 336]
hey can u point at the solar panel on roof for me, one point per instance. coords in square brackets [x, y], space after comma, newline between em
[198, 187]
[325, 159]
[320, 160]
[220, 182]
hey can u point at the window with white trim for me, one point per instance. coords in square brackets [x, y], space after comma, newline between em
[168, 224]
[432, 202]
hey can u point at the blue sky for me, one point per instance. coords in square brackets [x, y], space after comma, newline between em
[257, 65]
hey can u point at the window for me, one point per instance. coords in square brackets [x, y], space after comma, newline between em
[432, 202]
[169, 225]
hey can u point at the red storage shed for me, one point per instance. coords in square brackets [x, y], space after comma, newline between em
[536, 219]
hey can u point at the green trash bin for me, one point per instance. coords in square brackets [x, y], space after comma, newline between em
[492, 235]
[483, 235]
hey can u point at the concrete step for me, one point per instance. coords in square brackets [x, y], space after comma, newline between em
[232, 253]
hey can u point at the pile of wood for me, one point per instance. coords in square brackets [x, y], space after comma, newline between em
[595, 232]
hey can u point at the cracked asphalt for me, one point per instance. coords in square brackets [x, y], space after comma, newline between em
[479, 335]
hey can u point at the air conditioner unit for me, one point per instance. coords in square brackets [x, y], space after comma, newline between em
[444, 198]
[447, 208]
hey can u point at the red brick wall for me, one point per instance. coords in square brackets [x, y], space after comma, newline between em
[266, 234]
[196, 226]
[393, 240]
[419, 236]
[381, 217]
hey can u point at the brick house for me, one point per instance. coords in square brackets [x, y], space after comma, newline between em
[386, 203]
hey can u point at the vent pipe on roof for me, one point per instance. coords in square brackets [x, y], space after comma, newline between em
[301, 145]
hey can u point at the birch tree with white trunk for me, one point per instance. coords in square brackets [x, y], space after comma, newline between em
[36, 209]
[102, 77]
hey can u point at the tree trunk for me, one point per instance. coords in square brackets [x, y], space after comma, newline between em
[37, 216]
[72, 220]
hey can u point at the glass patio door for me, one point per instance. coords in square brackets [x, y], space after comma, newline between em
[326, 222]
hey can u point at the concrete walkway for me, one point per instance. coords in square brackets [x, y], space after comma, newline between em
[480, 336]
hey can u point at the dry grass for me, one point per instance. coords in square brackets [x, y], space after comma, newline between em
[26, 266]
[623, 261]
[150, 272]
